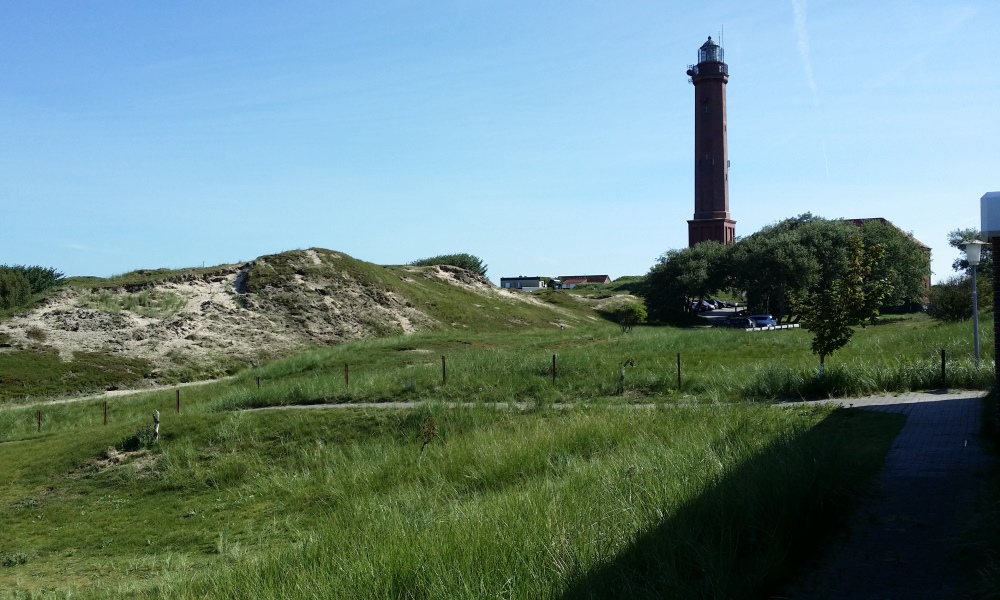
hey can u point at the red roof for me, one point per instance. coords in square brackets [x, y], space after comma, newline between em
[577, 279]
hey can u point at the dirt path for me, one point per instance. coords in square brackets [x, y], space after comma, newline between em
[111, 394]
[899, 545]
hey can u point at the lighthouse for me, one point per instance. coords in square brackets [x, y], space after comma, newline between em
[711, 154]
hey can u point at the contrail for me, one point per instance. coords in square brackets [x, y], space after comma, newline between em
[799, 10]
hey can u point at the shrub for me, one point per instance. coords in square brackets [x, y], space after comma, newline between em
[18, 283]
[463, 260]
[952, 300]
[41, 278]
[12, 559]
[14, 288]
[143, 438]
[629, 315]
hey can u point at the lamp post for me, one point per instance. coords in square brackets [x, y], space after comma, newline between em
[973, 252]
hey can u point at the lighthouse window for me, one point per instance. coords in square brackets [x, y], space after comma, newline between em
[706, 109]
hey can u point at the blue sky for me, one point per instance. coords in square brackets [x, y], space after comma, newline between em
[546, 138]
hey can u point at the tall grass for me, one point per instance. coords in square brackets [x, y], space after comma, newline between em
[715, 366]
[693, 503]
[697, 500]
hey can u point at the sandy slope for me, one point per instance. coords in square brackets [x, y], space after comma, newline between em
[218, 320]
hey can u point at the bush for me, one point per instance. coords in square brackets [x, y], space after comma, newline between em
[14, 288]
[19, 283]
[952, 300]
[629, 315]
[13, 559]
[465, 261]
[41, 278]
[145, 437]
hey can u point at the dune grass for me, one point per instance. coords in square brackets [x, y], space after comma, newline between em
[697, 501]
[716, 366]
[579, 495]
[147, 303]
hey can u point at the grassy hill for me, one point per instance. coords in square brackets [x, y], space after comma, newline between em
[161, 326]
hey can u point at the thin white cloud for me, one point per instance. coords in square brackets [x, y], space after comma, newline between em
[802, 34]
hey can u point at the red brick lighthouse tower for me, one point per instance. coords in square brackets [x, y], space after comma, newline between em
[711, 155]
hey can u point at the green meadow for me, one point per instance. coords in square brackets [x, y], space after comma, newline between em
[498, 482]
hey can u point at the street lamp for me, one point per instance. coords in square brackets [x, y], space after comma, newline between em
[973, 252]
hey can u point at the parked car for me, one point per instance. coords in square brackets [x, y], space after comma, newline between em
[762, 320]
[701, 306]
[736, 323]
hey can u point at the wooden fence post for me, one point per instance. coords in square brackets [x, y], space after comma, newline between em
[39, 421]
[105, 412]
[347, 376]
[553, 368]
[258, 383]
[178, 401]
[444, 373]
[678, 370]
[944, 378]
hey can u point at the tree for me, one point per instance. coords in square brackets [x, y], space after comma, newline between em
[851, 299]
[951, 300]
[793, 259]
[41, 278]
[906, 264]
[804, 255]
[682, 275]
[462, 260]
[957, 239]
[629, 315]
[15, 290]
[770, 265]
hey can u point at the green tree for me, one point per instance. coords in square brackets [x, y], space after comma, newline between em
[41, 278]
[951, 300]
[789, 259]
[957, 239]
[906, 264]
[15, 290]
[629, 315]
[984, 272]
[462, 260]
[851, 299]
[804, 255]
[679, 276]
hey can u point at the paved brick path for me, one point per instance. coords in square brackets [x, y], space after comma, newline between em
[898, 545]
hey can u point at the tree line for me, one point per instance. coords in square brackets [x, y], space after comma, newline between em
[19, 283]
[831, 274]
[781, 267]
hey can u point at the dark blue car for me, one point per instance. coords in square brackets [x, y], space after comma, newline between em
[762, 320]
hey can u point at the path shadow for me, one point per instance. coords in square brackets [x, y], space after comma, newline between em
[743, 535]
